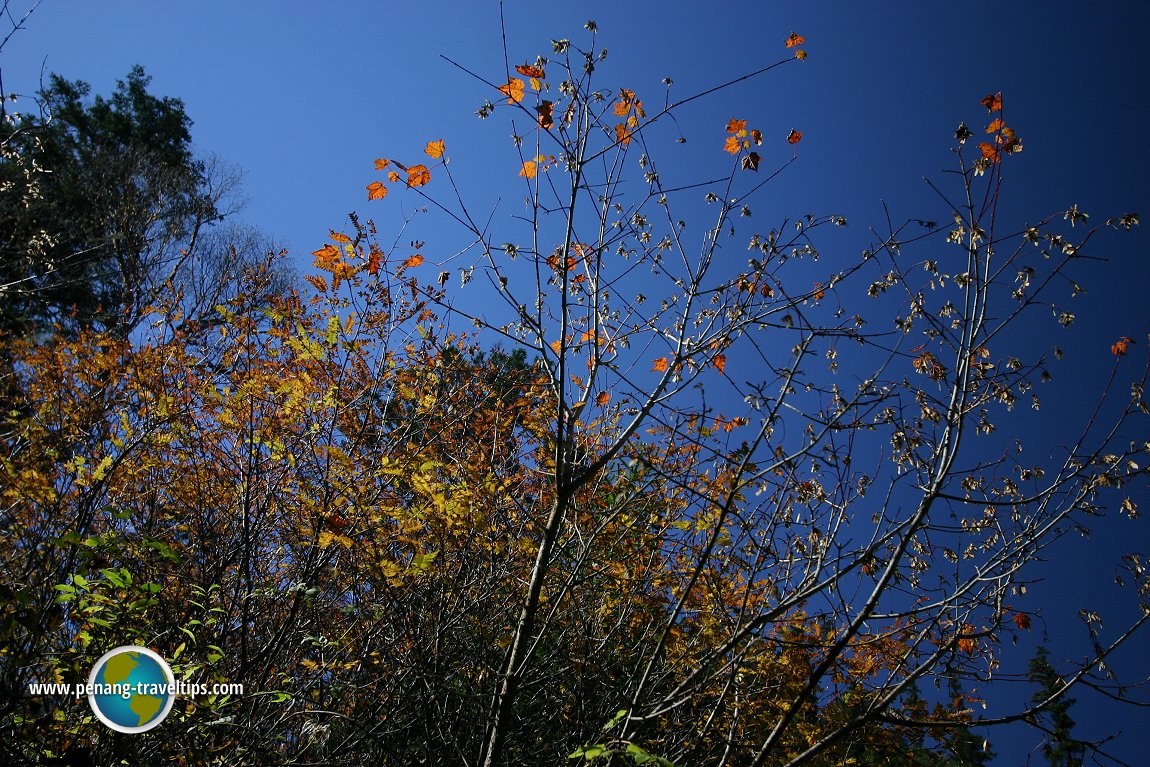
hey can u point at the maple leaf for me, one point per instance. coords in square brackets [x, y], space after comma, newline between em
[418, 175]
[1022, 620]
[1120, 346]
[800, 54]
[995, 125]
[556, 345]
[434, 149]
[751, 161]
[339, 236]
[382, 163]
[794, 137]
[992, 102]
[545, 117]
[660, 364]
[720, 362]
[734, 126]
[376, 190]
[626, 99]
[757, 137]
[392, 176]
[795, 39]
[528, 170]
[622, 135]
[414, 260]
[732, 145]
[513, 90]
[528, 70]
[603, 398]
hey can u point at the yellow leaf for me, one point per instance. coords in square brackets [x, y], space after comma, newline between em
[513, 90]
[376, 190]
[528, 170]
[434, 149]
[340, 237]
[800, 54]
[556, 345]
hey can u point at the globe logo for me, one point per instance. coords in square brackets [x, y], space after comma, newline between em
[131, 689]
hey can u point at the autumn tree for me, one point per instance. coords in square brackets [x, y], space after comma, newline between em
[786, 542]
[593, 486]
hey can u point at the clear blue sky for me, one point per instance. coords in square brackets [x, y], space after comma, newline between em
[303, 96]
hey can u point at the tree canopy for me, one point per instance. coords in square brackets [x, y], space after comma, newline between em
[598, 487]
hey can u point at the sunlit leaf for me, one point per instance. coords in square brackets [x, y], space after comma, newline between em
[434, 149]
[720, 362]
[734, 126]
[340, 237]
[603, 398]
[513, 90]
[414, 260]
[382, 163]
[418, 175]
[732, 145]
[1119, 347]
[527, 70]
[992, 102]
[622, 134]
[660, 364]
[757, 137]
[795, 39]
[376, 190]
[528, 170]
[794, 137]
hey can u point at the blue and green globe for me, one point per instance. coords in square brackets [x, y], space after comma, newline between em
[130, 689]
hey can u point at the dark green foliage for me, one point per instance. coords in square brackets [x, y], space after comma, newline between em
[1060, 748]
[102, 201]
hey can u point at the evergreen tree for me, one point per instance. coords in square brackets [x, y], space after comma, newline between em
[1061, 749]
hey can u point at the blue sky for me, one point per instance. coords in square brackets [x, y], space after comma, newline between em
[303, 96]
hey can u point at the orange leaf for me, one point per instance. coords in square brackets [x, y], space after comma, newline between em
[528, 170]
[556, 345]
[544, 109]
[528, 70]
[317, 282]
[751, 161]
[381, 163]
[513, 90]
[795, 39]
[339, 236]
[376, 190]
[392, 176]
[819, 292]
[603, 398]
[732, 145]
[757, 137]
[992, 102]
[374, 260]
[418, 175]
[1022, 620]
[720, 362]
[622, 135]
[626, 99]
[1120, 346]
[988, 151]
[434, 149]
[800, 55]
[660, 364]
[734, 126]
[414, 260]
[794, 137]
[995, 124]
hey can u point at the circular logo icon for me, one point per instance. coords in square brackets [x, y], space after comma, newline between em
[131, 689]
